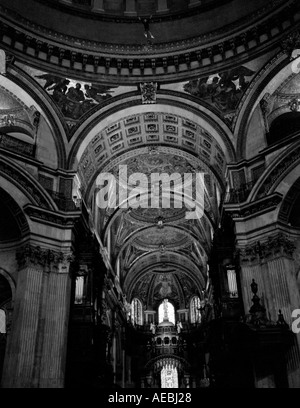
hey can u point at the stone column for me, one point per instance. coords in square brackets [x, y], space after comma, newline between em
[36, 350]
[272, 266]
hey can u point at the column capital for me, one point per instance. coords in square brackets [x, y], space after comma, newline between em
[276, 245]
[44, 257]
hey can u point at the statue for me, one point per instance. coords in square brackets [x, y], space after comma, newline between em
[152, 328]
[146, 22]
[166, 318]
[179, 326]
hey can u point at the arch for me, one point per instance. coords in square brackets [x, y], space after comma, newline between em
[166, 311]
[130, 104]
[133, 235]
[187, 267]
[30, 94]
[290, 188]
[277, 70]
[279, 169]
[31, 191]
[10, 281]
[136, 311]
[283, 126]
[195, 304]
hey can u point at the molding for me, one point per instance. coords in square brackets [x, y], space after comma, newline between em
[22, 180]
[36, 256]
[278, 245]
[111, 63]
[253, 209]
[55, 219]
[284, 166]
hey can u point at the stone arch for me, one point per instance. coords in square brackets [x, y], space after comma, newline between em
[277, 70]
[287, 165]
[22, 186]
[31, 97]
[130, 104]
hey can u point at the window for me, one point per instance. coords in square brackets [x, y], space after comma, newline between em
[166, 312]
[195, 310]
[136, 311]
[232, 285]
[2, 321]
[79, 285]
[169, 377]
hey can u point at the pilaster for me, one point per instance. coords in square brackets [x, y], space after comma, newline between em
[36, 349]
[271, 264]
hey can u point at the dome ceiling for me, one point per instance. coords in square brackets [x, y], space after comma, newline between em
[91, 64]
[121, 8]
[103, 47]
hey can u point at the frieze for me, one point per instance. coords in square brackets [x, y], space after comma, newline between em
[37, 256]
[188, 50]
[120, 48]
[50, 217]
[278, 245]
[254, 208]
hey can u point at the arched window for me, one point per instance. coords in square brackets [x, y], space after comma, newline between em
[79, 286]
[169, 377]
[166, 312]
[195, 310]
[2, 321]
[232, 284]
[136, 311]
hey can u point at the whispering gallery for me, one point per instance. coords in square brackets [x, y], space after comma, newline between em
[135, 294]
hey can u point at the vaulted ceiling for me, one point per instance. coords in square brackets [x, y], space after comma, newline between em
[96, 45]
[88, 61]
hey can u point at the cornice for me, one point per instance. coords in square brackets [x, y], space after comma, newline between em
[253, 209]
[127, 64]
[262, 15]
[86, 11]
[61, 220]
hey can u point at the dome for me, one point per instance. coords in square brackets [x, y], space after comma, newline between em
[166, 323]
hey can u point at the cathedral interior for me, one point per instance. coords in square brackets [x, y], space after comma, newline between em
[144, 291]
